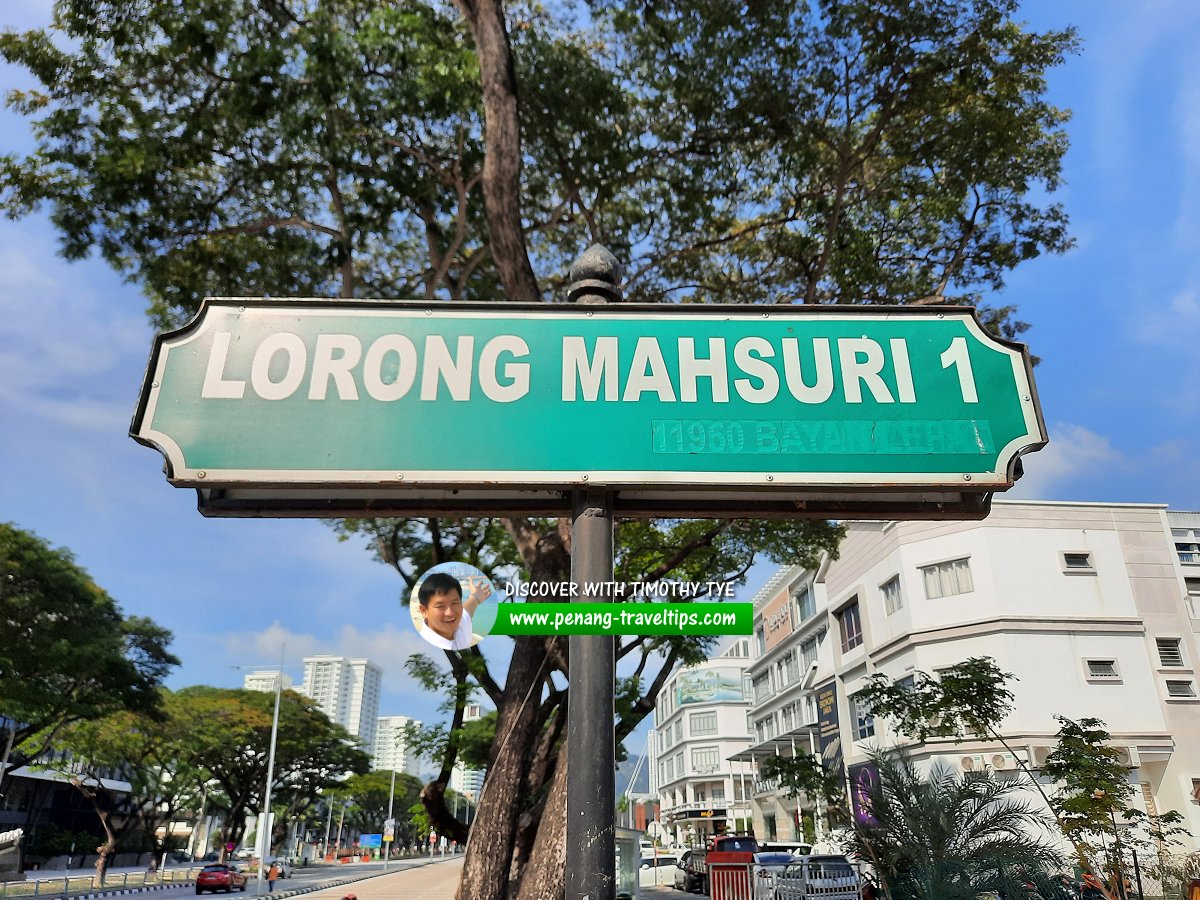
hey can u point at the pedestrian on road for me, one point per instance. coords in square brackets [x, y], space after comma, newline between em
[272, 876]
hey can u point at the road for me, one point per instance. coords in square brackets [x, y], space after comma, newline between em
[50, 883]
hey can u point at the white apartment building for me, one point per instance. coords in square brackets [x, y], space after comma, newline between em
[346, 690]
[265, 681]
[699, 723]
[1091, 606]
[393, 750]
[468, 782]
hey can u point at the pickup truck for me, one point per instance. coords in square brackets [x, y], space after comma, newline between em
[722, 848]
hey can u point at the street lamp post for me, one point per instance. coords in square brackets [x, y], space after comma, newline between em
[341, 821]
[264, 827]
[387, 845]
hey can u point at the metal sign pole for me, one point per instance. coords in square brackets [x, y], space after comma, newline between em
[591, 742]
[591, 733]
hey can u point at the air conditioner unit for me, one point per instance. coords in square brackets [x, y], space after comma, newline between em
[1039, 756]
[972, 763]
[1127, 757]
[1002, 761]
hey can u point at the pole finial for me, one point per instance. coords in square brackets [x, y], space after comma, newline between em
[595, 277]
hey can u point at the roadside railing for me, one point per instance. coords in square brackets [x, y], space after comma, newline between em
[67, 885]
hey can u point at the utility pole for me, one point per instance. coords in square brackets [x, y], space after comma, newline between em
[591, 736]
[264, 826]
[387, 845]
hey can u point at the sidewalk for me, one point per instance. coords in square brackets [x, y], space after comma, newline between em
[437, 881]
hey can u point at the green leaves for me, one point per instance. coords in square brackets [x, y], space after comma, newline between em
[970, 698]
[66, 652]
[950, 836]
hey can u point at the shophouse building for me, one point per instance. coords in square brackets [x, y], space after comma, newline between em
[1092, 607]
[699, 724]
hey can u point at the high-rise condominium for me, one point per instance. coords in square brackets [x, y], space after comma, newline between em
[346, 690]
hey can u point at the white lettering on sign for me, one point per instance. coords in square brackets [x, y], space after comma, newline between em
[388, 370]
[759, 370]
[589, 373]
[378, 356]
[648, 373]
[756, 367]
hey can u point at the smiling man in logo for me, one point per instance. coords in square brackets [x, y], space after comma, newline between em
[447, 616]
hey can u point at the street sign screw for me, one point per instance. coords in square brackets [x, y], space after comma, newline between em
[766, 315]
[154, 384]
[966, 478]
[242, 309]
[584, 477]
[399, 476]
[770, 478]
[1026, 399]
[429, 312]
[201, 474]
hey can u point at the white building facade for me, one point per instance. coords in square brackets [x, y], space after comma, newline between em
[699, 723]
[265, 681]
[1090, 606]
[468, 782]
[346, 690]
[393, 750]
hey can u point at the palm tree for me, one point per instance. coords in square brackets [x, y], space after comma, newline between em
[951, 836]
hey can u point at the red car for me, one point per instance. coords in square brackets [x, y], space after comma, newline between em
[220, 877]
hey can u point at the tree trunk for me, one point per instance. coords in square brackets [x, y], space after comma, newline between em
[502, 149]
[486, 869]
[544, 876]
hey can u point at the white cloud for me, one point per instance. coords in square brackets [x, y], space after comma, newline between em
[1074, 452]
[65, 329]
[388, 646]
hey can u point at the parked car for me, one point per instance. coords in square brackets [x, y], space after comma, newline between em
[830, 877]
[220, 877]
[686, 876]
[766, 866]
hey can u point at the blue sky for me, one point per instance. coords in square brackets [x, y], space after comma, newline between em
[1116, 322]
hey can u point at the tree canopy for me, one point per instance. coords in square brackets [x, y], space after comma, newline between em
[224, 734]
[67, 653]
[857, 151]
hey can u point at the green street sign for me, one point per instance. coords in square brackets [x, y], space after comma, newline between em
[312, 407]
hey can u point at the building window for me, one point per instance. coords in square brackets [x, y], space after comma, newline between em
[810, 709]
[762, 687]
[892, 600]
[864, 721]
[806, 605]
[1078, 562]
[1181, 690]
[718, 793]
[947, 579]
[703, 723]
[762, 640]
[705, 759]
[1170, 653]
[1187, 544]
[1193, 596]
[1102, 670]
[808, 652]
[850, 627]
